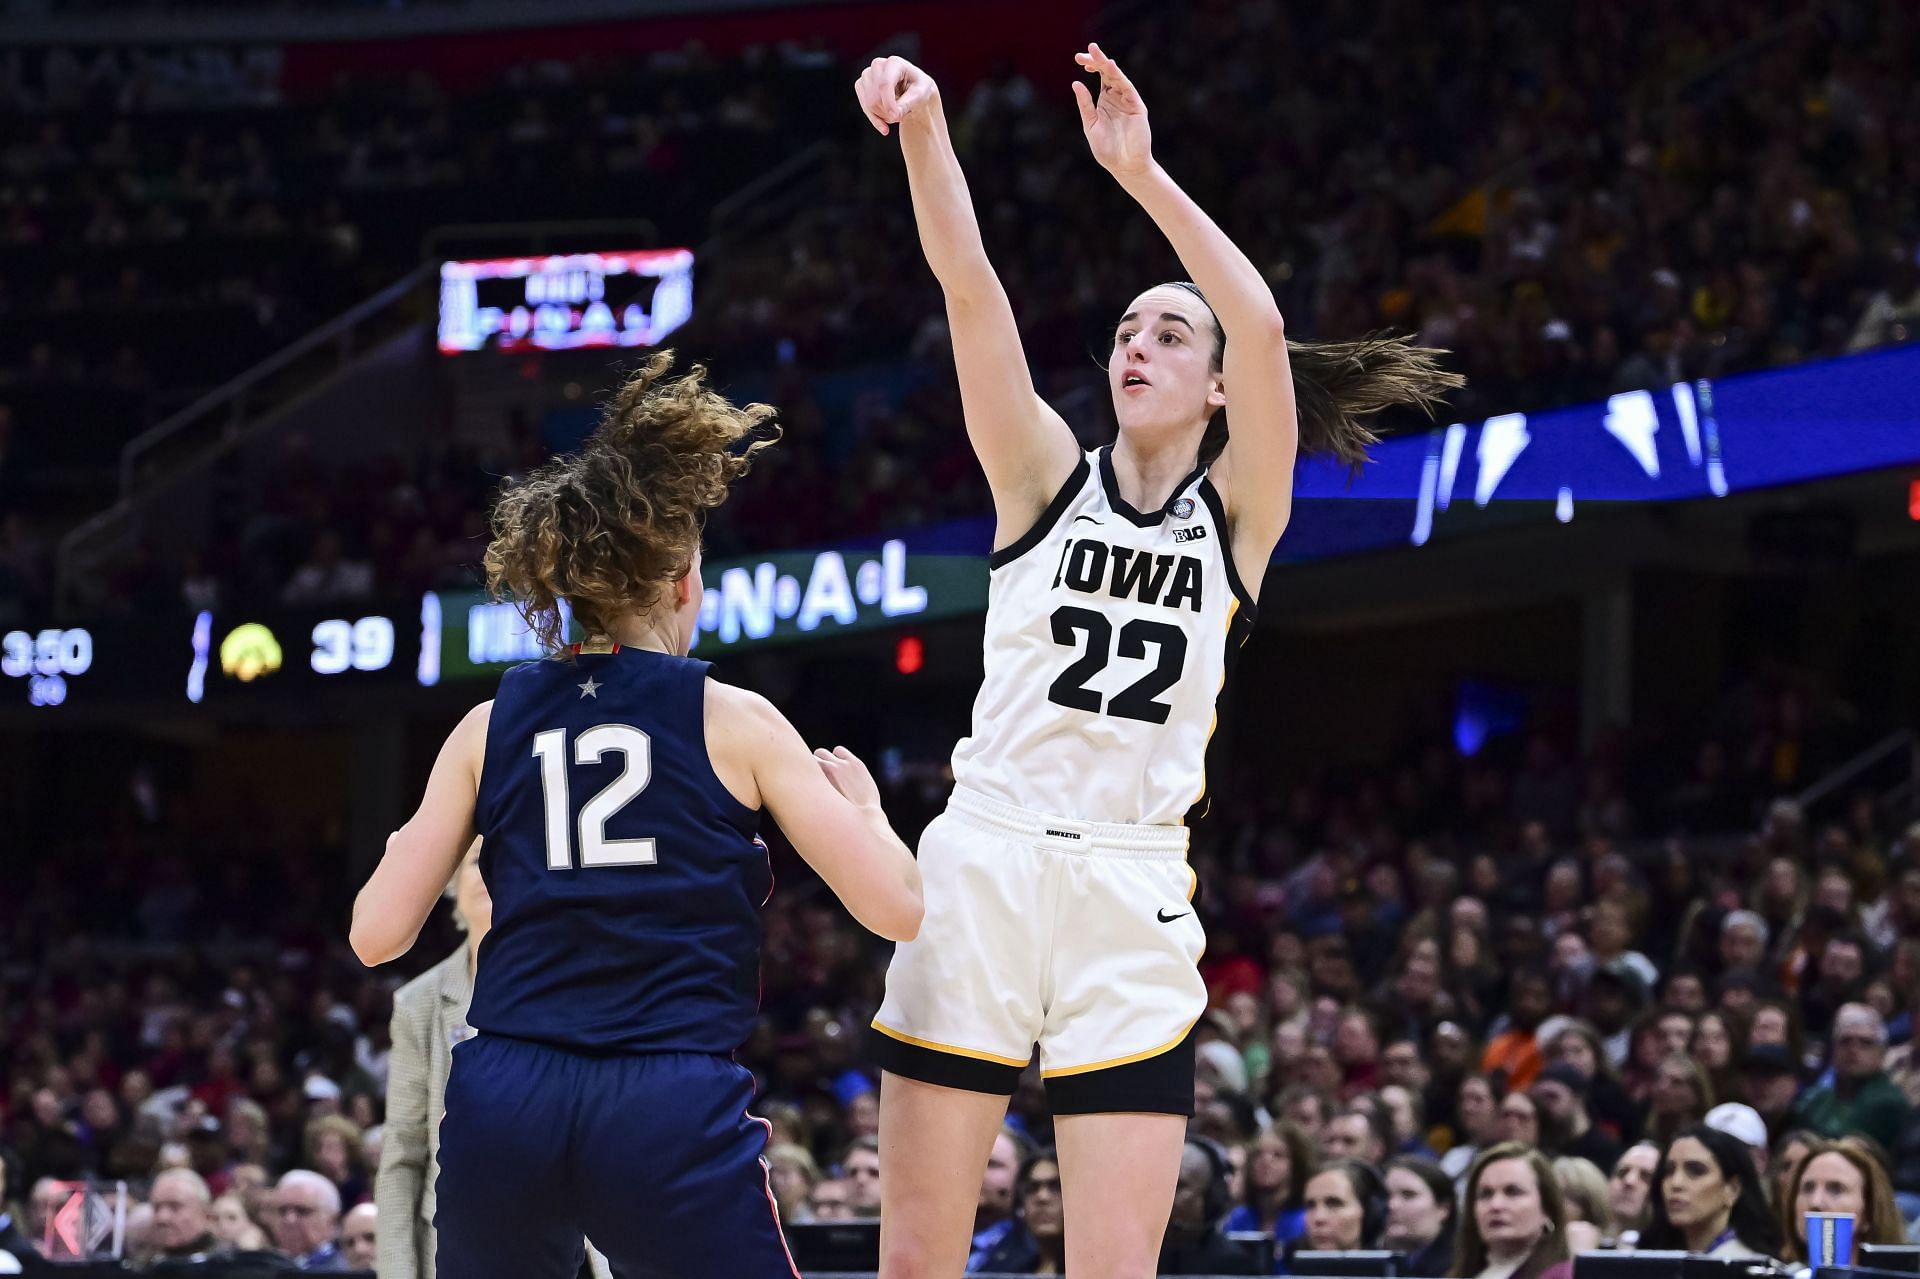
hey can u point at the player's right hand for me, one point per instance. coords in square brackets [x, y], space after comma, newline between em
[848, 775]
[891, 89]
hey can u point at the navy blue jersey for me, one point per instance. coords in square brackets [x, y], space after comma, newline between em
[626, 882]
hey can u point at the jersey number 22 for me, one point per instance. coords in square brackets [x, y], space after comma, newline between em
[1140, 699]
[636, 748]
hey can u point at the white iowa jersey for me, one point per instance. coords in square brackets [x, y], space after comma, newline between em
[1109, 634]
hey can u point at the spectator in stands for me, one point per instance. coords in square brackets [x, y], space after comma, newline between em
[1842, 966]
[1519, 1120]
[13, 1239]
[1718, 1045]
[1616, 996]
[831, 1200]
[1407, 1120]
[182, 1230]
[1589, 1213]
[1305, 1107]
[1709, 1199]
[1420, 1215]
[1681, 1097]
[1477, 1125]
[1037, 1245]
[1577, 1045]
[333, 1145]
[1861, 1097]
[306, 1220]
[1278, 1165]
[1358, 1132]
[1791, 1151]
[1346, 1205]
[1194, 1243]
[1770, 1082]
[234, 1227]
[359, 1237]
[42, 1202]
[993, 1215]
[792, 1173]
[1566, 1126]
[1743, 1124]
[1841, 1176]
[860, 1165]
[1743, 941]
[1513, 1220]
[1512, 1053]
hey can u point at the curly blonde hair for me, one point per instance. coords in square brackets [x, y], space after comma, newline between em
[603, 530]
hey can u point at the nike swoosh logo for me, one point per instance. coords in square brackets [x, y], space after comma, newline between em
[1088, 518]
[1165, 918]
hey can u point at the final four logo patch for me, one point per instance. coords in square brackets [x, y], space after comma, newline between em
[1183, 509]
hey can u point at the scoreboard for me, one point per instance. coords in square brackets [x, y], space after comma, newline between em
[565, 301]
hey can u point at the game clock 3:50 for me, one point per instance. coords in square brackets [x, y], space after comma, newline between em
[46, 659]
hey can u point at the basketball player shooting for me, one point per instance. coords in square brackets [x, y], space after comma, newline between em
[1058, 896]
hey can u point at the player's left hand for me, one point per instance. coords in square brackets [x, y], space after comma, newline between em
[848, 775]
[1115, 123]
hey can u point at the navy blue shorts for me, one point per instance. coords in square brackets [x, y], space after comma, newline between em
[653, 1157]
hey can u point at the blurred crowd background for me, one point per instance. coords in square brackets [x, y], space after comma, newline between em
[1591, 951]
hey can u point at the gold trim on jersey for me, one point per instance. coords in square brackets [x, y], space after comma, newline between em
[1233, 607]
[1128, 1060]
[936, 1046]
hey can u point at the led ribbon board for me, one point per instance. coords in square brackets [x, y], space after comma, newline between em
[1688, 440]
[780, 598]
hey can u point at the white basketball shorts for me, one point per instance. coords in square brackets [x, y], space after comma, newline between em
[1078, 937]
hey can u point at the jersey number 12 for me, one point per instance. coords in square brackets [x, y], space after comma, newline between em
[636, 748]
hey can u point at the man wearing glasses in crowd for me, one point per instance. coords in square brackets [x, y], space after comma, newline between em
[305, 1216]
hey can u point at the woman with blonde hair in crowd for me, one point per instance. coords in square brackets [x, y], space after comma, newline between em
[1513, 1218]
[792, 1174]
[1843, 1177]
[332, 1147]
[1589, 1208]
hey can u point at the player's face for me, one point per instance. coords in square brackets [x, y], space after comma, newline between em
[1160, 368]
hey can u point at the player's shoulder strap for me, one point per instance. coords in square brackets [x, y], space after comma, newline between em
[1049, 517]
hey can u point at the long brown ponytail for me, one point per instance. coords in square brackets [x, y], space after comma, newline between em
[1338, 386]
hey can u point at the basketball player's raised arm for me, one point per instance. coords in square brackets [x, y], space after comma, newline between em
[1255, 473]
[1023, 445]
[824, 801]
[423, 854]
